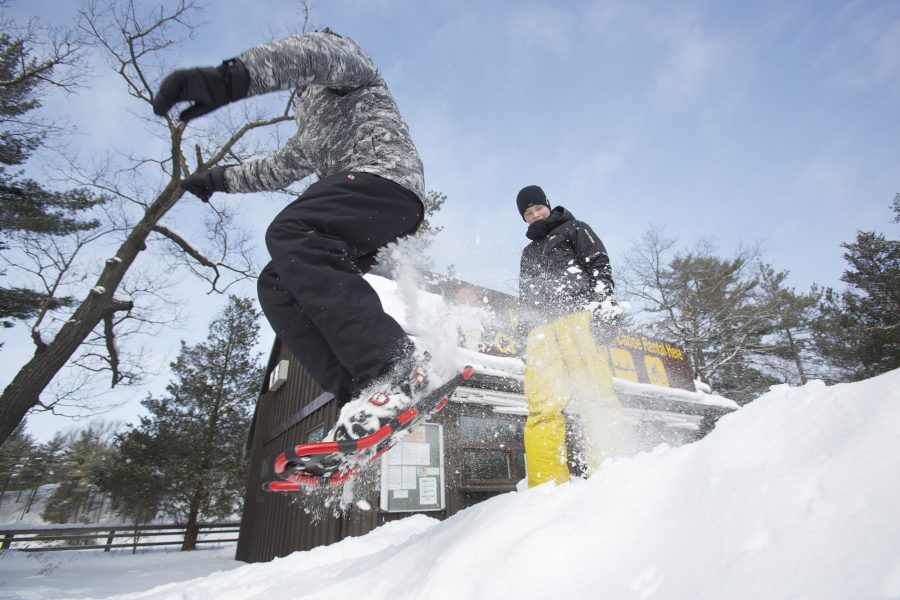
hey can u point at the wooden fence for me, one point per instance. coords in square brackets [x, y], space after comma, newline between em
[48, 539]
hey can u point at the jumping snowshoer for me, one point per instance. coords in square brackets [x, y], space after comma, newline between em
[369, 192]
[565, 291]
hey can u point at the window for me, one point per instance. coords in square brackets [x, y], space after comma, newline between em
[492, 453]
[481, 430]
[486, 464]
[315, 434]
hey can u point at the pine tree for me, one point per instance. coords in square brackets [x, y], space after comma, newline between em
[14, 453]
[132, 479]
[25, 204]
[192, 440]
[793, 314]
[434, 200]
[38, 469]
[859, 329]
[742, 381]
[77, 499]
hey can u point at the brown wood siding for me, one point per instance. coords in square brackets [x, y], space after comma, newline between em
[274, 524]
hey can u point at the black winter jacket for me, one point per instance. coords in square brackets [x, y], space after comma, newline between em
[564, 267]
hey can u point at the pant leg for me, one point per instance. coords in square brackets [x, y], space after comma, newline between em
[300, 335]
[598, 406]
[547, 392]
[315, 244]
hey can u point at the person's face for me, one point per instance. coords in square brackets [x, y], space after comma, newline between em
[535, 213]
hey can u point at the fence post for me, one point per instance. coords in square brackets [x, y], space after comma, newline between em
[109, 540]
[7, 540]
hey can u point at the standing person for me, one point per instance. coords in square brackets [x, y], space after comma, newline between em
[369, 192]
[565, 291]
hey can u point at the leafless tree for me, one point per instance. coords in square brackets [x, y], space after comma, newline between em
[712, 306]
[117, 293]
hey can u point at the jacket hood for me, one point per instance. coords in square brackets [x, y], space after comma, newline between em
[541, 229]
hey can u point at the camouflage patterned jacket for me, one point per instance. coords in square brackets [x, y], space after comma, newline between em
[346, 117]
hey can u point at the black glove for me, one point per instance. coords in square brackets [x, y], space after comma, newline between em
[203, 183]
[207, 87]
[606, 318]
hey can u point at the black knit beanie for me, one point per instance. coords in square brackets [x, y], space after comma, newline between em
[530, 196]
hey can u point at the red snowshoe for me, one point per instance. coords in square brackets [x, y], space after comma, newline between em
[332, 464]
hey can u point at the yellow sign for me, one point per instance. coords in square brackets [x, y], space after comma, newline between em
[623, 365]
[656, 370]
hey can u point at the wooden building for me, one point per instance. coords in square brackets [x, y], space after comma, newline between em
[470, 451]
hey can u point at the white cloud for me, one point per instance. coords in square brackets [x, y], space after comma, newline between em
[692, 60]
[826, 181]
[542, 31]
[867, 55]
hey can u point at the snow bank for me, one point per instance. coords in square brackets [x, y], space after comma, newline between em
[794, 496]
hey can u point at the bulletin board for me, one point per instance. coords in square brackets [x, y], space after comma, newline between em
[412, 472]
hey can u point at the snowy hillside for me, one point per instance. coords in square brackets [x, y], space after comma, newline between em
[794, 496]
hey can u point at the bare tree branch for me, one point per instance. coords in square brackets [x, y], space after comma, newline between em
[90, 338]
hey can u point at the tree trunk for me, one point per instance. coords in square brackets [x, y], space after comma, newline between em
[795, 352]
[5, 486]
[23, 393]
[191, 529]
[29, 503]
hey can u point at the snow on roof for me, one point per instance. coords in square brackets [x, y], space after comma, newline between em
[438, 326]
[665, 393]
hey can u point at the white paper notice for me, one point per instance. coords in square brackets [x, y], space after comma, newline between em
[394, 480]
[401, 494]
[394, 455]
[410, 477]
[416, 454]
[428, 490]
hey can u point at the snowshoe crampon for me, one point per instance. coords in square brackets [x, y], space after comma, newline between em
[332, 464]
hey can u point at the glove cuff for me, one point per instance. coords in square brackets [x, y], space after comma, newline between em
[217, 178]
[237, 77]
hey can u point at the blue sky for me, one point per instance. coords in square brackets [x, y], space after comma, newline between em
[772, 122]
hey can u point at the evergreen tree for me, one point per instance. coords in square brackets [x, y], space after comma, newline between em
[14, 453]
[741, 382]
[859, 329]
[132, 478]
[77, 499]
[38, 469]
[793, 314]
[434, 200]
[25, 204]
[191, 442]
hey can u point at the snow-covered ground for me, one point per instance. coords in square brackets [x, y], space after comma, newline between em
[796, 495]
[84, 573]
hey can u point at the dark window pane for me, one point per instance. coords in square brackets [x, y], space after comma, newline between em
[486, 464]
[518, 459]
[315, 434]
[480, 430]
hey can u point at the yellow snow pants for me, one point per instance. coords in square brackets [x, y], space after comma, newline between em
[563, 364]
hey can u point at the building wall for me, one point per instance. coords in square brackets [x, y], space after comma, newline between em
[276, 524]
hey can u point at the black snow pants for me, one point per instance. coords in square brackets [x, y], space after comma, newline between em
[313, 293]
